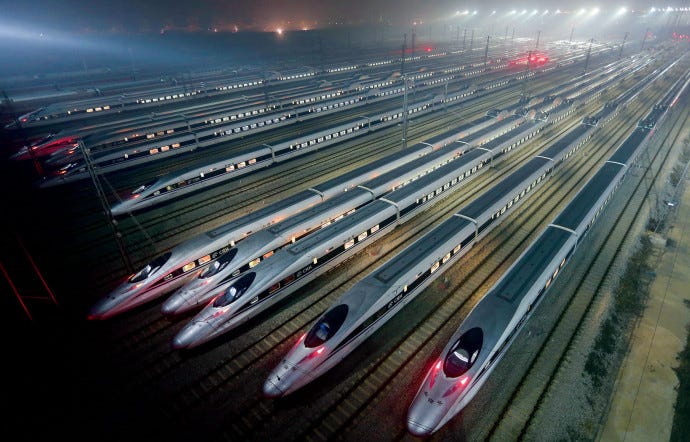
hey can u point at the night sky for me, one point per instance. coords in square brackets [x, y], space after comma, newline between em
[154, 15]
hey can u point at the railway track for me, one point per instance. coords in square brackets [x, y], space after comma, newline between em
[219, 205]
[486, 263]
[166, 231]
[229, 385]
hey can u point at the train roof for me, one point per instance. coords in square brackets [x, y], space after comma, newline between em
[403, 262]
[477, 207]
[577, 209]
[629, 146]
[555, 148]
[265, 211]
[516, 284]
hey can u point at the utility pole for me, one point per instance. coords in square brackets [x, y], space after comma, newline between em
[321, 47]
[404, 48]
[538, 35]
[620, 54]
[464, 38]
[472, 40]
[131, 59]
[486, 49]
[404, 136]
[86, 153]
[523, 93]
[571, 34]
[414, 34]
[589, 52]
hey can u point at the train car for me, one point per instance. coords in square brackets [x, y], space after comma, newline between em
[261, 245]
[177, 184]
[296, 264]
[169, 272]
[375, 299]
[489, 329]
[265, 243]
[178, 265]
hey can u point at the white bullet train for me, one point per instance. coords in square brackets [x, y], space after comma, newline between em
[263, 244]
[177, 266]
[291, 267]
[374, 300]
[174, 268]
[489, 329]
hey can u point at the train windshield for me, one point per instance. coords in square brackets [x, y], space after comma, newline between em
[326, 327]
[463, 353]
[150, 268]
[219, 264]
[235, 291]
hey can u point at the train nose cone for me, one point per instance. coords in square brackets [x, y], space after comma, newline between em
[176, 304]
[271, 390]
[192, 335]
[418, 429]
[103, 309]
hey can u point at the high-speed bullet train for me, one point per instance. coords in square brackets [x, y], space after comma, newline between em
[133, 139]
[168, 139]
[125, 102]
[296, 264]
[264, 243]
[179, 183]
[483, 337]
[165, 142]
[45, 147]
[372, 301]
[175, 267]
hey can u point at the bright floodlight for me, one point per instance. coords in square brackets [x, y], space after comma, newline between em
[279, 31]
[621, 11]
[669, 9]
[524, 11]
[513, 12]
[545, 12]
[493, 13]
[594, 11]
[581, 11]
[474, 12]
[558, 11]
[653, 9]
